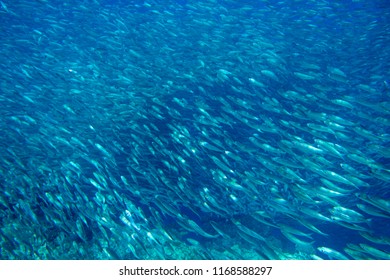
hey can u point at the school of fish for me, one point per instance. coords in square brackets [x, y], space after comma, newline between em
[194, 129]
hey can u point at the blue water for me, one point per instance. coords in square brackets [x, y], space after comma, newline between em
[193, 129]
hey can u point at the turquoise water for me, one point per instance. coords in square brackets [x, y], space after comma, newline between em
[194, 130]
